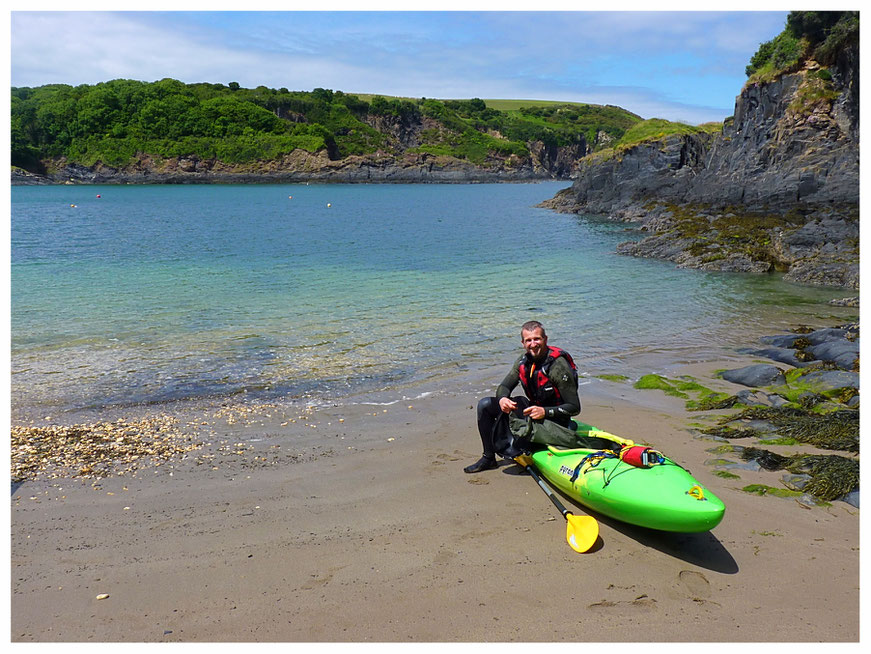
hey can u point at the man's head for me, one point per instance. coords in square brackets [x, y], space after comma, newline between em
[534, 339]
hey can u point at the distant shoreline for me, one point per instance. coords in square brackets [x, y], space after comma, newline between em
[355, 173]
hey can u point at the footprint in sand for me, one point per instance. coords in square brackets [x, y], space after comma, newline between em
[444, 457]
[695, 584]
[456, 456]
[322, 579]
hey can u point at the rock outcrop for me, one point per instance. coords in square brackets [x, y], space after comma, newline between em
[300, 166]
[395, 163]
[778, 189]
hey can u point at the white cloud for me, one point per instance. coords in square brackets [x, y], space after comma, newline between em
[583, 57]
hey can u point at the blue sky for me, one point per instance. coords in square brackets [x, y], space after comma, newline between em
[686, 66]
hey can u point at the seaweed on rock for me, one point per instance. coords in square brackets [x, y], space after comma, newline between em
[832, 476]
[716, 401]
[837, 430]
[724, 431]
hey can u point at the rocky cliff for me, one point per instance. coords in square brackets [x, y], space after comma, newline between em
[396, 162]
[544, 162]
[778, 189]
[299, 166]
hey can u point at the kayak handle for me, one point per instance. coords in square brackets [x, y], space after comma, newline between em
[697, 492]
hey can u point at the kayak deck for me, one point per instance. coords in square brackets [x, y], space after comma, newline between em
[663, 496]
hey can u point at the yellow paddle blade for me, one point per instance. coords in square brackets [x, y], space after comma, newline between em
[523, 459]
[581, 531]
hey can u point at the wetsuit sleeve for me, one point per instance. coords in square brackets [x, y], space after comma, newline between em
[562, 377]
[510, 382]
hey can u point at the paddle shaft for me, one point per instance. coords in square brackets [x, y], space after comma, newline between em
[549, 492]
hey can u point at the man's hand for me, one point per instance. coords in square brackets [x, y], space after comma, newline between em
[507, 404]
[535, 412]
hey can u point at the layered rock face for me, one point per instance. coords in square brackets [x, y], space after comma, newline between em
[778, 189]
[299, 166]
[784, 150]
[399, 165]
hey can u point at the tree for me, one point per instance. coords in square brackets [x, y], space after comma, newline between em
[812, 25]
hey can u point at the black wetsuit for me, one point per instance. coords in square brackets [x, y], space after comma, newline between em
[560, 374]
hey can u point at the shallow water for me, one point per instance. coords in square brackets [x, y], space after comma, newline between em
[150, 294]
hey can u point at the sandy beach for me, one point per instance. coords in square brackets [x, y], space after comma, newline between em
[372, 533]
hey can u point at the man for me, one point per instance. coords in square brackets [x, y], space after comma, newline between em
[549, 379]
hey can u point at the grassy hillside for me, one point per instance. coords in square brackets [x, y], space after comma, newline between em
[657, 128]
[114, 122]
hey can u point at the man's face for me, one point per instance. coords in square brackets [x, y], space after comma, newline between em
[534, 342]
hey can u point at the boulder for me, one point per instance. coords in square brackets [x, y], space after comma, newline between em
[831, 380]
[781, 340]
[828, 334]
[761, 374]
[852, 498]
[842, 352]
[779, 354]
[753, 398]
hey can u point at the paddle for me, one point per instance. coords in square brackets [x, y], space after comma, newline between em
[581, 530]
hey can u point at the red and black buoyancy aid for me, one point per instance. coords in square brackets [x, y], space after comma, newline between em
[536, 382]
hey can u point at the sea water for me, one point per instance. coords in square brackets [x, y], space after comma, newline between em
[129, 295]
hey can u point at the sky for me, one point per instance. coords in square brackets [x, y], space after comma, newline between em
[684, 66]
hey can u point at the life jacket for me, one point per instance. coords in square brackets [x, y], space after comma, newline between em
[536, 382]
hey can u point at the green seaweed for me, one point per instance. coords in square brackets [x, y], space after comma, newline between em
[719, 462]
[726, 475]
[714, 401]
[778, 441]
[799, 390]
[837, 430]
[658, 382]
[832, 475]
[731, 432]
[717, 233]
[762, 489]
[613, 378]
[705, 400]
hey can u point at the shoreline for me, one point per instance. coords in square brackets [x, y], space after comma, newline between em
[339, 173]
[347, 537]
[649, 358]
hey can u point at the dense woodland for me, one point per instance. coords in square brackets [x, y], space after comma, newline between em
[112, 121]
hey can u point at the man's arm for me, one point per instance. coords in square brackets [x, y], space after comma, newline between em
[510, 382]
[563, 378]
[503, 391]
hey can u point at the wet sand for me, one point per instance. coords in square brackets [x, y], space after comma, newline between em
[371, 532]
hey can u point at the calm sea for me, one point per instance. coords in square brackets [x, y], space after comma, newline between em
[148, 294]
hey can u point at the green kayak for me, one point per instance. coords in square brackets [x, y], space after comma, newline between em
[636, 485]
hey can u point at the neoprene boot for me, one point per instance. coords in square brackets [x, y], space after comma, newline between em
[484, 463]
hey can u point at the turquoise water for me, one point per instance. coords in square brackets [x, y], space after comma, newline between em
[150, 294]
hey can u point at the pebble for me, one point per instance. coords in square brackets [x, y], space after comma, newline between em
[96, 450]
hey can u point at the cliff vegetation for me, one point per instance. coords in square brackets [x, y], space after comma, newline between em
[129, 125]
